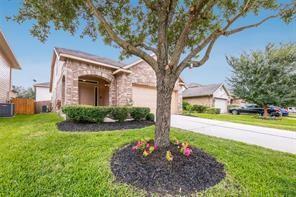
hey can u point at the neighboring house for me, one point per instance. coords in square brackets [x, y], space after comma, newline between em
[42, 92]
[237, 101]
[213, 95]
[82, 78]
[7, 62]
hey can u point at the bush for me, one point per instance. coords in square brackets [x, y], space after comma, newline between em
[199, 108]
[84, 113]
[150, 117]
[232, 107]
[185, 104]
[139, 113]
[213, 111]
[119, 113]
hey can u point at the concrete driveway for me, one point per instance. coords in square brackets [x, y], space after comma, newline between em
[276, 139]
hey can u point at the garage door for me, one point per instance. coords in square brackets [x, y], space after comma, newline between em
[221, 104]
[146, 97]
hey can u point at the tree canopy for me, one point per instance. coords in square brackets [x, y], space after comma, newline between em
[266, 77]
[21, 92]
[167, 28]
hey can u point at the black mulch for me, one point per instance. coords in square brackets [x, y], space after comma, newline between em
[106, 126]
[155, 174]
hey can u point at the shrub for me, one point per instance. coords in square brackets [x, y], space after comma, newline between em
[119, 113]
[199, 108]
[185, 105]
[139, 113]
[212, 111]
[84, 113]
[232, 107]
[150, 117]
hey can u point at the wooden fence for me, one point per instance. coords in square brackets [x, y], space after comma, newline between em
[24, 106]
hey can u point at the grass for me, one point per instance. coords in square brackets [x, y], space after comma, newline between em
[287, 123]
[38, 160]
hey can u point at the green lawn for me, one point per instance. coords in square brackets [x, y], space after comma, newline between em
[38, 160]
[287, 123]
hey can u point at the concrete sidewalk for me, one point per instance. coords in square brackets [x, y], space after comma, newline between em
[276, 139]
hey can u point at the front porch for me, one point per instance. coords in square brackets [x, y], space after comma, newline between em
[93, 90]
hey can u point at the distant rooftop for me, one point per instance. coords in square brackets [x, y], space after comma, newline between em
[89, 57]
[45, 84]
[200, 90]
[191, 85]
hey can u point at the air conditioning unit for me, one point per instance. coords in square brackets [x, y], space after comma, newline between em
[6, 110]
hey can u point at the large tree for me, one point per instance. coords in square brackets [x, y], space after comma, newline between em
[21, 92]
[266, 77]
[180, 33]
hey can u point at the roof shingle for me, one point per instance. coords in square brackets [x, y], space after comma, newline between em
[202, 90]
[89, 57]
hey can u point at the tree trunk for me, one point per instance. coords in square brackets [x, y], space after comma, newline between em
[165, 88]
[265, 113]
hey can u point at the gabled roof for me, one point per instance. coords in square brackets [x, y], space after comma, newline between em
[202, 90]
[7, 52]
[87, 56]
[45, 85]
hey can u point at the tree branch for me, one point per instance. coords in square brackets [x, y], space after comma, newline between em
[194, 14]
[150, 5]
[227, 33]
[145, 46]
[124, 44]
[214, 36]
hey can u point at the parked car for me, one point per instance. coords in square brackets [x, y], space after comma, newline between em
[292, 109]
[255, 109]
[284, 112]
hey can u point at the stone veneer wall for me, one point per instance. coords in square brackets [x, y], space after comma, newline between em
[124, 88]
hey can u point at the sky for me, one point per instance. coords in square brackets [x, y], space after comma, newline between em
[35, 57]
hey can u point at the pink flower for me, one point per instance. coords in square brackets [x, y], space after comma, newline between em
[147, 145]
[187, 152]
[134, 148]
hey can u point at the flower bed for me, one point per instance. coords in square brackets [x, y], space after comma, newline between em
[178, 169]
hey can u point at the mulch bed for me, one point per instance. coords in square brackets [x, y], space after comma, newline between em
[155, 174]
[105, 126]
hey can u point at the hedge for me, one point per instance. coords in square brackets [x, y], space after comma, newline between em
[87, 113]
[84, 113]
[150, 117]
[139, 113]
[119, 113]
[200, 108]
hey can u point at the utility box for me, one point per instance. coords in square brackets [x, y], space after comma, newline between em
[6, 109]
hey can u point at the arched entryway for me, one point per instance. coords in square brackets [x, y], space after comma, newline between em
[93, 90]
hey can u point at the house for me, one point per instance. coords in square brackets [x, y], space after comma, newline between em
[42, 92]
[8, 62]
[81, 78]
[213, 95]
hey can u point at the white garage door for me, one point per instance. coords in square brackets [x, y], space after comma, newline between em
[221, 104]
[146, 97]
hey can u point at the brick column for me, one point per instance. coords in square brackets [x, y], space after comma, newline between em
[124, 89]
